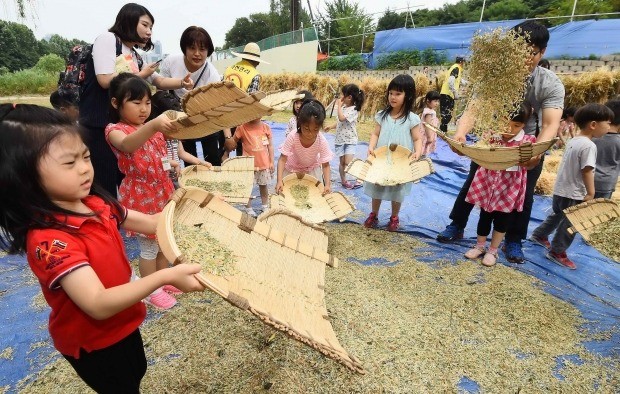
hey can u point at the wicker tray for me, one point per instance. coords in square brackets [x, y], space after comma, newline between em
[390, 166]
[213, 107]
[251, 278]
[279, 100]
[496, 158]
[316, 208]
[586, 216]
[295, 226]
[233, 181]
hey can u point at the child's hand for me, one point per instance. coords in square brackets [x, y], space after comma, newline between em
[230, 144]
[338, 102]
[164, 123]
[205, 163]
[272, 168]
[279, 187]
[187, 82]
[588, 197]
[414, 157]
[327, 190]
[182, 277]
[176, 166]
[371, 152]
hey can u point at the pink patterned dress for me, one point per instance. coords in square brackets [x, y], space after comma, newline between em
[147, 186]
[502, 191]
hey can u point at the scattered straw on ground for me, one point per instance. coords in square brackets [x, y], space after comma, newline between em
[606, 238]
[7, 353]
[415, 328]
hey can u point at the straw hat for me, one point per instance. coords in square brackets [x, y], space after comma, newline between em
[251, 51]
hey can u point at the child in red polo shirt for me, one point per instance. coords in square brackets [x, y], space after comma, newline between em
[68, 228]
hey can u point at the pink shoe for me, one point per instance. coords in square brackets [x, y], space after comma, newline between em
[475, 252]
[372, 221]
[171, 290]
[161, 300]
[393, 224]
[489, 259]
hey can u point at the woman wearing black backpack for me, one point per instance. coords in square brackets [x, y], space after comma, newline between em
[115, 47]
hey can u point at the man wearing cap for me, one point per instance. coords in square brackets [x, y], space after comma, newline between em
[449, 92]
[245, 76]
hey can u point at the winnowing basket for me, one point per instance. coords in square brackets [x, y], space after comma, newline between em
[496, 158]
[213, 107]
[295, 226]
[390, 166]
[245, 260]
[233, 180]
[302, 194]
[279, 100]
[585, 217]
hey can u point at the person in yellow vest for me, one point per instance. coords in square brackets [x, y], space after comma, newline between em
[449, 92]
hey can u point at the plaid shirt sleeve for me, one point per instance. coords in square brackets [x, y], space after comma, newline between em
[254, 85]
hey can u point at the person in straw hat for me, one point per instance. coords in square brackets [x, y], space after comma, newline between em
[246, 77]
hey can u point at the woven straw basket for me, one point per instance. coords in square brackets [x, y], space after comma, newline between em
[295, 226]
[316, 208]
[496, 158]
[233, 181]
[213, 107]
[252, 277]
[279, 100]
[390, 166]
[586, 216]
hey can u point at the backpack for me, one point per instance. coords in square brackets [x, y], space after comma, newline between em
[70, 81]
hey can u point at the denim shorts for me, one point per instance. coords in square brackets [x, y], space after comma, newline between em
[345, 149]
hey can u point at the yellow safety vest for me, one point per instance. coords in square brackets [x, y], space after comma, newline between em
[445, 88]
[241, 74]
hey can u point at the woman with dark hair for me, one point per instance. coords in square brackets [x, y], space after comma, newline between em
[132, 29]
[197, 46]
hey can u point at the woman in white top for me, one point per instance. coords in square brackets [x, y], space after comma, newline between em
[197, 46]
[132, 29]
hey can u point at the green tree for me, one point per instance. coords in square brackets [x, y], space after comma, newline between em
[345, 23]
[61, 46]
[51, 63]
[20, 48]
[390, 20]
[565, 7]
[506, 9]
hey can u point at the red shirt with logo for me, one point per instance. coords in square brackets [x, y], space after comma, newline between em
[84, 241]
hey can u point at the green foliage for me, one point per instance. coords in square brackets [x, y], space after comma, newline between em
[391, 20]
[345, 23]
[61, 46]
[19, 46]
[349, 62]
[50, 63]
[30, 81]
[401, 60]
[262, 25]
[565, 7]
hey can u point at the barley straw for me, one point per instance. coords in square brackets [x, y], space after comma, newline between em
[497, 76]
[606, 238]
[198, 246]
[418, 329]
[224, 187]
[300, 194]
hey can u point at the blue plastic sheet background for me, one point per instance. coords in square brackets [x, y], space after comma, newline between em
[594, 288]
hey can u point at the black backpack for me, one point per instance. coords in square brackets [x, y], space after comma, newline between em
[71, 80]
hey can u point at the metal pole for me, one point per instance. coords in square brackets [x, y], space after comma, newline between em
[484, 2]
[573, 13]
[329, 35]
[363, 36]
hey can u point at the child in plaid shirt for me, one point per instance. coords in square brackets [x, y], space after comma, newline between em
[499, 193]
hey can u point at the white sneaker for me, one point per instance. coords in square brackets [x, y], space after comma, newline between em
[250, 211]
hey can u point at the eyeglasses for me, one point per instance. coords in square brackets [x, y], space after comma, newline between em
[535, 53]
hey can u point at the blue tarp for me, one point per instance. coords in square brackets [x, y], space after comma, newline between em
[594, 288]
[584, 38]
[573, 39]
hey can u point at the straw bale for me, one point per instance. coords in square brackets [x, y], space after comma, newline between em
[596, 86]
[420, 328]
[545, 183]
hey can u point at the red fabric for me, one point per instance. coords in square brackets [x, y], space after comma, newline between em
[146, 187]
[502, 191]
[94, 242]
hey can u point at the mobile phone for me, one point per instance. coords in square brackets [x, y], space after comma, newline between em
[159, 61]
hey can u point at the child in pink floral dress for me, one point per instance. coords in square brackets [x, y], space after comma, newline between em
[499, 193]
[142, 156]
[429, 115]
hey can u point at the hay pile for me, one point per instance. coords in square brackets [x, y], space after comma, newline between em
[545, 183]
[591, 87]
[606, 240]
[497, 78]
[416, 328]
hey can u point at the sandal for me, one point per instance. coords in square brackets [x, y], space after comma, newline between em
[475, 252]
[489, 259]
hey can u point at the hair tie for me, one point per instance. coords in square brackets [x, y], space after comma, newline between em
[14, 105]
